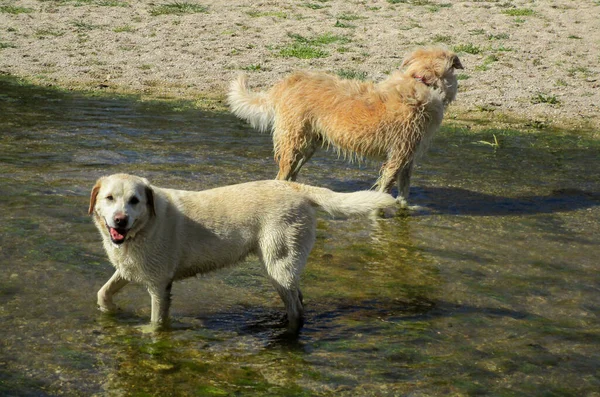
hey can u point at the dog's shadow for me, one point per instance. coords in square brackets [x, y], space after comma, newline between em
[466, 202]
[323, 324]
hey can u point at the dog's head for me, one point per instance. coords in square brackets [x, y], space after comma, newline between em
[434, 67]
[121, 205]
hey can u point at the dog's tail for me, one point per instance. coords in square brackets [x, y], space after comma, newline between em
[346, 204]
[254, 107]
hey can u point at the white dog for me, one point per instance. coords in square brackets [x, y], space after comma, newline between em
[155, 236]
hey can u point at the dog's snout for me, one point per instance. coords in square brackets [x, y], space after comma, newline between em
[121, 220]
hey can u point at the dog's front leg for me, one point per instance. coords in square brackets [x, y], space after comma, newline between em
[160, 295]
[404, 184]
[105, 294]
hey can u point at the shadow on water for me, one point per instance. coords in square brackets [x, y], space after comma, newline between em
[459, 201]
[490, 288]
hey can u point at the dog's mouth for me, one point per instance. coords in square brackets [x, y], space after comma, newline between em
[117, 236]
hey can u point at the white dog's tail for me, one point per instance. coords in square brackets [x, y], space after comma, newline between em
[346, 204]
[254, 107]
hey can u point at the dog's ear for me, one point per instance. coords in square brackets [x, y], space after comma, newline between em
[150, 200]
[456, 62]
[408, 60]
[94, 196]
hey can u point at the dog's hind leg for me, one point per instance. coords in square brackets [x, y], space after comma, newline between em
[284, 250]
[387, 177]
[105, 294]
[302, 157]
[291, 296]
[294, 145]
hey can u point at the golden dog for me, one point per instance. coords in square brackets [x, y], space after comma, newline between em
[394, 119]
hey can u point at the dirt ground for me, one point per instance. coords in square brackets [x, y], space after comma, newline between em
[536, 61]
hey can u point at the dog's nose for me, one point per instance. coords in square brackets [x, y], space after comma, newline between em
[121, 220]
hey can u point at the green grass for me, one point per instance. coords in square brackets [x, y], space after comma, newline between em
[442, 38]
[327, 38]
[519, 12]
[582, 70]
[351, 74]
[344, 25]
[15, 10]
[258, 14]
[302, 51]
[413, 2]
[42, 33]
[7, 45]
[543, 98]
[83, 26]
[487, 62]
[253, 68]
[468, 48]
[314, 6]
[178, 8]
[499, 36]
[349, 17]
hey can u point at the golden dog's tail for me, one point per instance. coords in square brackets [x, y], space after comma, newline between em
[254, 107]
[346, 204]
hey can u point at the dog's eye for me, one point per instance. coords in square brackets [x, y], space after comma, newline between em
[134, 200]
[110, 197]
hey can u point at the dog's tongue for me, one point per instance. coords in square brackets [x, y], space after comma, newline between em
[116, 235]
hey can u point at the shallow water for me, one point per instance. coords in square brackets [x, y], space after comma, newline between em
[491, 287]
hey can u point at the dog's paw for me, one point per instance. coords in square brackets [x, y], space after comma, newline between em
[402, 202]
[108, 308]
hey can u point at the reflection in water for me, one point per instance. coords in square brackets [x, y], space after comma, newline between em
[491, 287]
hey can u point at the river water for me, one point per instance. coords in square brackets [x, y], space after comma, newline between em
[491, 287]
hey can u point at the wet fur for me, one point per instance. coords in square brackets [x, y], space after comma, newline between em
[393, 120]
[174, 234]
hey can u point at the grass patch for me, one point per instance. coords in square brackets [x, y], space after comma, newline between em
[442, 38]
[582, 70]
[314, 6]
[519, 12]
[258, 14]
[487, 62]
[344, 25]
[253, 68]
[125, 28]
[7, 45]
[543, 98]
[15, 10]
[437, 7]
[350, 17]
[178, 8]
[412, 2]
[48, 32]
[476, 32]
[499, 36]
[352, 74]
[561, 83]
[83, 26]
[462, 76]
[468, 48]
[324, 39]
[302, 51]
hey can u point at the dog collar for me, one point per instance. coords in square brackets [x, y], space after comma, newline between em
[422, 80]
